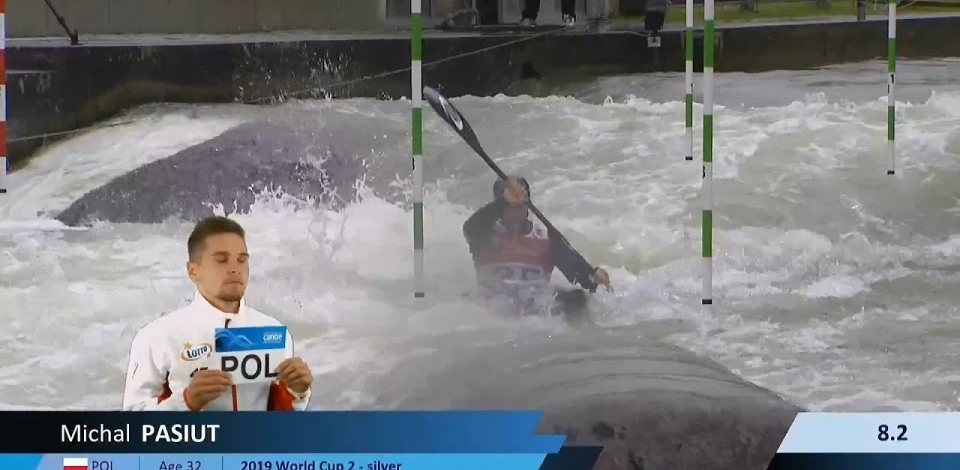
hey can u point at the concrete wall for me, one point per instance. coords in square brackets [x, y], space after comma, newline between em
[32, 18]
[760, 48]
[54, 87]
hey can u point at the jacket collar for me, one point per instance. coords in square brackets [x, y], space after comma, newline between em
[202, 305]
[526, 228]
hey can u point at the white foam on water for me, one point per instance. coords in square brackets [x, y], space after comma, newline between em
[833, 282]
[72, 167]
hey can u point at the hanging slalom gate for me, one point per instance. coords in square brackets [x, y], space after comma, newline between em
[416, 102]
[688, 104]
[707, 185]
[4, 161]
[706, 189]
[891, 79]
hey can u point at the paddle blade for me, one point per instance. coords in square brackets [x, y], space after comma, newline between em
[449, 113]
[446, 110]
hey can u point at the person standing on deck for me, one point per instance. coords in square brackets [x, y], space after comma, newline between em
[655, 13]
[531, 9]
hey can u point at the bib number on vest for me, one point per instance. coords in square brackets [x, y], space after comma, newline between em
[518, 273]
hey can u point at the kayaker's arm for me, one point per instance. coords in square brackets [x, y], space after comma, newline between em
[570, 263]
[478, 229]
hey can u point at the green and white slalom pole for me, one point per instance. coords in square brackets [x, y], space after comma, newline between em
[4, 161]
[689, 98]
[416, 99]
[891, 80]
[707, 220]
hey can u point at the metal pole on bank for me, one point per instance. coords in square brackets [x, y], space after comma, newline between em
[4, 164]
[688, 43]
[707, 187]
[891, 79]
[416, 100]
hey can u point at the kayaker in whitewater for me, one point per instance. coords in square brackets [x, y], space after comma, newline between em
[515, 256]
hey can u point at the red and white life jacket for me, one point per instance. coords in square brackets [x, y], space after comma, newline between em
[516, 259]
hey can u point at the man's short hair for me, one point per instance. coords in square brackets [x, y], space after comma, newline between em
[207, 228]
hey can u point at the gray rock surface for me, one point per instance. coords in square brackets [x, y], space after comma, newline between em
[297, 156]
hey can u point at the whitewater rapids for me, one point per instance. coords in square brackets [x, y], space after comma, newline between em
[835, 285]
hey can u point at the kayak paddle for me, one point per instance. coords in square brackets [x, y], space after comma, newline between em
[456, 120]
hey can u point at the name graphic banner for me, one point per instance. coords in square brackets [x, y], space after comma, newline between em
[338, 432]
[250, 354]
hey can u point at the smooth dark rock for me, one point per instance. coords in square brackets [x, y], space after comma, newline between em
[652, 406]
[293, 155]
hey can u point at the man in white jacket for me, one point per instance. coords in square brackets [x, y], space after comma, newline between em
[171, 365]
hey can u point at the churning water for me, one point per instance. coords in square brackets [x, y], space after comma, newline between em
[835, 284]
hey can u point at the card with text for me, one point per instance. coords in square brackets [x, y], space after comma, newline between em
[251, 354]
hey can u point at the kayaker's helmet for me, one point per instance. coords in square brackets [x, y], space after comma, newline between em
[501, 185]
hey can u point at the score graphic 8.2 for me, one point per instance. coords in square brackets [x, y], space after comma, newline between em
[897, 433]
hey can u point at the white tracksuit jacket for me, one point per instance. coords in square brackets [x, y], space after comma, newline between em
[160, 366]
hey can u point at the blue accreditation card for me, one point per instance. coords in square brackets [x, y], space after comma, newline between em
[251, 354]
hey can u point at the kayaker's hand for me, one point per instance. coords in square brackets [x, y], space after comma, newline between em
[601, 278]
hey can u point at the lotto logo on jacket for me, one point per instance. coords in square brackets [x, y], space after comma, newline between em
[192, 352]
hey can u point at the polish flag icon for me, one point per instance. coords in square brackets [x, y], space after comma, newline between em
[75, 463]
